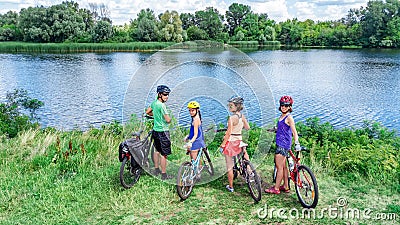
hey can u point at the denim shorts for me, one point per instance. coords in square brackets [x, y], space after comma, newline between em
[282, 151]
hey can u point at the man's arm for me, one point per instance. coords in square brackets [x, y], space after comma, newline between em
[149, 111]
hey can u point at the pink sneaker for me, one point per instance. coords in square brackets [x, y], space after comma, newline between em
[272, 190]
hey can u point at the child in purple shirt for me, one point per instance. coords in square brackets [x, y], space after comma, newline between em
[286, 130]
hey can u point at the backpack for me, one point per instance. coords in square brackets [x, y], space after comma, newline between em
[136, 148]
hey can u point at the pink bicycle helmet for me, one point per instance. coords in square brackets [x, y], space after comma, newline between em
[285, 100]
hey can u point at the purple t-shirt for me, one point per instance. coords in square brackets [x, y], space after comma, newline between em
[284, 134]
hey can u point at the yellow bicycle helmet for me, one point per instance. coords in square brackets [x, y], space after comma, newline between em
[193, 105]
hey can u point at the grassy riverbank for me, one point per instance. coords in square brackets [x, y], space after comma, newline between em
[54, 177]
[18, 47]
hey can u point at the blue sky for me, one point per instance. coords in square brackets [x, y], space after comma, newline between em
[279, 10]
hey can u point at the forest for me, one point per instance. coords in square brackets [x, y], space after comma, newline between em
[377, 25]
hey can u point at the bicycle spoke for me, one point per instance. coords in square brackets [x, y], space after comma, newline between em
[253, 180]
[306, 187]
[185, 180]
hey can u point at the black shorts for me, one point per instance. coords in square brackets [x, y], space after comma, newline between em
[162, 142]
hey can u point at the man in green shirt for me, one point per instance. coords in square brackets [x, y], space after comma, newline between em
[160, 135]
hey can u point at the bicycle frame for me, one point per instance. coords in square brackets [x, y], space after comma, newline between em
[296, 161]
[196, 165]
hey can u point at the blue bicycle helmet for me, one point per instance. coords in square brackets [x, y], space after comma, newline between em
[163, 89]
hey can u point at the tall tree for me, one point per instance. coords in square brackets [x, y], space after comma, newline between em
[210, 21]
[187, 19]
[65, 22]
[170, 26]
[144, 28]
[373, 22]
[235, 15]
[8, 27]
[102, 31]
[250, 24]
[34, 24]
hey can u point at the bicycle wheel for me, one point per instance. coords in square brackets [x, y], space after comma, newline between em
[184, 181]
[128, 175]
[207, 162]
[253, 180]
[235, 168]
[306, 187]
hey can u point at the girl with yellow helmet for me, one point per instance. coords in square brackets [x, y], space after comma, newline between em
[195, 139]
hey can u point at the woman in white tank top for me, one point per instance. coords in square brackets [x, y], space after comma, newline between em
[233, 136]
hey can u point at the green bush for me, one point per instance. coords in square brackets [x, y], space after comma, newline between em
[12, 119]
[370, 151]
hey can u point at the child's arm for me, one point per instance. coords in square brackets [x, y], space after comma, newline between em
[227, 133]
[245, 123]
[149, 111]
[294, 132]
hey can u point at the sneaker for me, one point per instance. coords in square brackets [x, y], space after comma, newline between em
[165, 176]
[282, 188]
[272, 190]
[230, 189]
[156, 172]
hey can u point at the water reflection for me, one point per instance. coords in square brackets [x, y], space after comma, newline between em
[343, 87]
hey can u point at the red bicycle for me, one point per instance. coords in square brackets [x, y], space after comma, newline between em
[304, 181]
[303, 178]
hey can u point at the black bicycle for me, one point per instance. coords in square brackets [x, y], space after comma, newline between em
[134, 156]
[246, 169]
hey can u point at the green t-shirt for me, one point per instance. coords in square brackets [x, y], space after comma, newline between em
[159, 110]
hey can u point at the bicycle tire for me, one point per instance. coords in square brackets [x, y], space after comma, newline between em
[253, 181]
[184, 182]
[235, 168]
[307, 183]
[128, 175]
[207, 163]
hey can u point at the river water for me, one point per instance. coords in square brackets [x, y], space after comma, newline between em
[343, 87]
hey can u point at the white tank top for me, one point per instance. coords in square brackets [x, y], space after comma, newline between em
[237, 130]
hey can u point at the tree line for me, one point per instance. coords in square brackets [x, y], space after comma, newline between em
[375, 25]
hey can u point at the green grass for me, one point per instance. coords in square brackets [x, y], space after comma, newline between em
[53, 177]
[16, 47]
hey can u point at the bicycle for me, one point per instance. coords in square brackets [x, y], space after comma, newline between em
[136, 152]
[190, 172]
[302, 177]
[246, 169]
[304, 180]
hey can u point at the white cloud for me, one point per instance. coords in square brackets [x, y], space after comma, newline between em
[279, 10]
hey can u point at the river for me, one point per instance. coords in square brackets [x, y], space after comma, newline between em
[344, 87]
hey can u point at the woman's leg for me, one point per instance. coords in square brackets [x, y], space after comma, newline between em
[193, 154]
[285, 175]
[280, 164]
[229, 167]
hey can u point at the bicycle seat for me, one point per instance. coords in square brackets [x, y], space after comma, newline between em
[242, 144]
